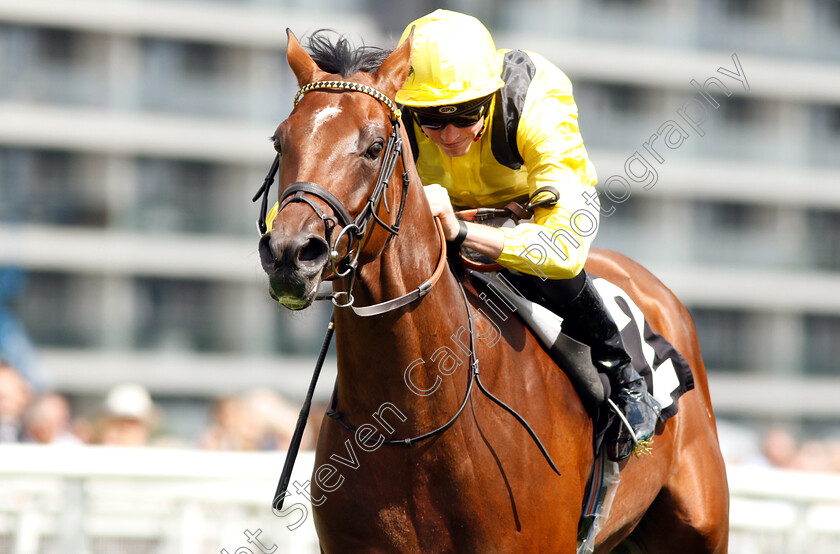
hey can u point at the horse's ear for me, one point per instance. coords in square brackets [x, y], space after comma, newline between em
[393, 72]
[302, 64]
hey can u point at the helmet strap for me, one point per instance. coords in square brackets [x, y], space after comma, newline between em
[481, 132]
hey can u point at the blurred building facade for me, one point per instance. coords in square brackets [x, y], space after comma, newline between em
[133, 134]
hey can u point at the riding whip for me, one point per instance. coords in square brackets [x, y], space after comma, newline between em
[294, 446]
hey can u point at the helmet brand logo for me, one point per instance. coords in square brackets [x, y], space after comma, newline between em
[448, 109]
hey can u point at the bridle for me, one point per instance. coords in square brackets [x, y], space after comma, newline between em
[355, 229]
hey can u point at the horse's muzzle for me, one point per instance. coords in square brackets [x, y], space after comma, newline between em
[294, 266]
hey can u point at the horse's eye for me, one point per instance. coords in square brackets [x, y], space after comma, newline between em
[277, 147]
[374, 150]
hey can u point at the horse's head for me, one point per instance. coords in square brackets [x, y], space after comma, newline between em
[334, 162]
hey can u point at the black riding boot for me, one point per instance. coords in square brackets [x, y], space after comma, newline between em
[587, 320]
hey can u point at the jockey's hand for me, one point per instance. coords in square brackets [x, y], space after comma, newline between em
[442, 208]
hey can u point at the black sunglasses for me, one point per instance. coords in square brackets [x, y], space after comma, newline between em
[436, 123]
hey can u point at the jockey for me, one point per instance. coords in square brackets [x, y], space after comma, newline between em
[489, 127]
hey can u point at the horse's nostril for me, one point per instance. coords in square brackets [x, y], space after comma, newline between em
[266, 254]
[313, 250]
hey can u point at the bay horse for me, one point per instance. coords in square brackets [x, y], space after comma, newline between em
[353, 211]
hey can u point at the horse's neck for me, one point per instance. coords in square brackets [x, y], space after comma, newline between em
[374, 353]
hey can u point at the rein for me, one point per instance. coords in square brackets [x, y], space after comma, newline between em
[355, 229]
[473, 377]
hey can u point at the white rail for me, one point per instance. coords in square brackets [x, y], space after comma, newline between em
[774, 511]
[99, 500]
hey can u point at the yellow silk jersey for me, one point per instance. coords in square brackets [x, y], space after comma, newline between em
[551, 148]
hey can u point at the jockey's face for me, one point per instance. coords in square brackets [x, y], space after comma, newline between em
[455, 141]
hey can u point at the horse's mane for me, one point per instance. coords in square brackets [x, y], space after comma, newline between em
[341, 56]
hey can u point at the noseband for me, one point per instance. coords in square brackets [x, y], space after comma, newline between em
[353, 228]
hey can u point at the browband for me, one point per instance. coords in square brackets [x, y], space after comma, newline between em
[348, 85]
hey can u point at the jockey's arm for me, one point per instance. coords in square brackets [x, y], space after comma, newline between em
[527, 247]
[481, 238]
[555, 245]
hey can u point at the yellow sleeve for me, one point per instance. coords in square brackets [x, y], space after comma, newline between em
[549, 140]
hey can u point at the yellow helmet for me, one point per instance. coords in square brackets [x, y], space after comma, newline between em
[453, 59]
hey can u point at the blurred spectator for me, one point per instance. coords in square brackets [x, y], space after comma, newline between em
[834, 454]
[257, 420]
[779, 448]
[14, 397]
[812, 456]
[15, 345]
[47, 421]
[84, 429]
[128, 417]
[275, 416]
[232, 427]
[313, 428]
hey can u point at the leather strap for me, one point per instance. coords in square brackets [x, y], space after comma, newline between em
[301, 187]
[456, 243]
[408, 298]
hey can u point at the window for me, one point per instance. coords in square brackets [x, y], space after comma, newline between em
[624, 98]
[631, 211]
[176, 314]
[57, 46]
[202, 60]
[724, 338]
[742, 8]
[726, 217]
[299, 333]
[49, 311]
[827, 13]
[833, 119]
[175, 195]
[822, 349]
[47, 186]
[824, 246]
[623, 3]
[191, 78]
[737, 109]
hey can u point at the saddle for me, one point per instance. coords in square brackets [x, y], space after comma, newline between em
[566, 352]
[666, 372]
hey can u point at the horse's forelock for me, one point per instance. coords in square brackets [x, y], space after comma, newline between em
[341, 57]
